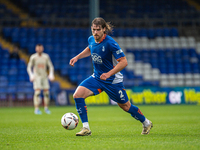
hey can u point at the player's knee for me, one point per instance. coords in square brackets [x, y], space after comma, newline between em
[36, 99]
[76, 95]
[46, 97]
[125, 106]
[46, 93]
[37, 93]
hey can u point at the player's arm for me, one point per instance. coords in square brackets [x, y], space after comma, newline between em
[120, 66]
[29, 69]
[51, 69]
[85, 53]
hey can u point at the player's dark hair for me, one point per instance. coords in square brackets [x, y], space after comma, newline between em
[101, 22]
[39, 44]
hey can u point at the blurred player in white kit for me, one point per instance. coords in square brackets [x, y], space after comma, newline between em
[37, 68]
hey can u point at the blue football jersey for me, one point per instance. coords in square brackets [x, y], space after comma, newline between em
[104, 57]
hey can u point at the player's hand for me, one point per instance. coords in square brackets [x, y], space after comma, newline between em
[73, 61]
[32, 78]
[104, 76]
[51, 77]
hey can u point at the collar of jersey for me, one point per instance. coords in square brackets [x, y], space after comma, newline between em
[40, 55]
[104, 36]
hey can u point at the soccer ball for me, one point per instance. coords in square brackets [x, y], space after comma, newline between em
[69, 121]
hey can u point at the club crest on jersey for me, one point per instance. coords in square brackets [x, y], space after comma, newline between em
[103, 48]
[96, 58]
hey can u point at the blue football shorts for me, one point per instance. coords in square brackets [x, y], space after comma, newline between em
[116, 92]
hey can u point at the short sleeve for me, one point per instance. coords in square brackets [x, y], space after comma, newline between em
[116, 50]
[90, 39]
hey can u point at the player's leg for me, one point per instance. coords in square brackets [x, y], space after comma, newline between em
[46, 95]
[46, 101]
[137, 114]
[85, 89]
[36, 97]
[36, 101]
[79, 96]
[117, 93]
[133, 110]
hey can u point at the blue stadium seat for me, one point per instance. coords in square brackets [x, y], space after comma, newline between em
[3, 94]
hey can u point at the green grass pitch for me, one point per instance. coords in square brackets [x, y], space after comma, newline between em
[176, 127]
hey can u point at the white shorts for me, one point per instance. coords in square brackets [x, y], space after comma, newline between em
[41, 83]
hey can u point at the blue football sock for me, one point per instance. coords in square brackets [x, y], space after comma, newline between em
[136, 113]
[81, 109]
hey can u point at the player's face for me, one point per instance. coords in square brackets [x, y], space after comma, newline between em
[39, 49]
[97, 32]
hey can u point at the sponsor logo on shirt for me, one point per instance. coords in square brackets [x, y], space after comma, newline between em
[119, 51]
[96, 58]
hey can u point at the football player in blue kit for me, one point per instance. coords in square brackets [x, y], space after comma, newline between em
[108, 60]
